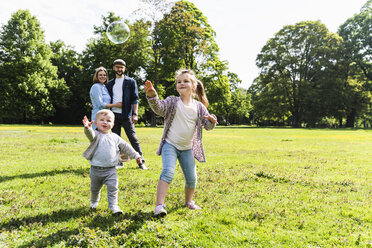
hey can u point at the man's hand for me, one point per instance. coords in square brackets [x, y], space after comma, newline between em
[134, 119]
[86, 122]
[149, 89]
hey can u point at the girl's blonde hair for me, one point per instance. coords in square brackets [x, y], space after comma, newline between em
[199, 92]
[95, 77]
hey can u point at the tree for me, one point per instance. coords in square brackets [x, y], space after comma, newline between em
[153, 10]
[186, 40]
[357, 63]
[136, 52]
[293, 65]
[28, 78]
[69, 67]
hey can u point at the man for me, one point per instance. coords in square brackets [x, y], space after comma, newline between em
[124, 89]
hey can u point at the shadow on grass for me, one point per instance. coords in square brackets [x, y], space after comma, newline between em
[80, 171]
[43, 219]
[114, 224]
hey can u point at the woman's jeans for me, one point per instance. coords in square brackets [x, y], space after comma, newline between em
[169, 156]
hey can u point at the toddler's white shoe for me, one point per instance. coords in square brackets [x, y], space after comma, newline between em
[116, 210]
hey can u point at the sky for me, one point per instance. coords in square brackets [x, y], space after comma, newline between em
[242, 26]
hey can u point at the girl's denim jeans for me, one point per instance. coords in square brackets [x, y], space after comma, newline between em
[169, 156]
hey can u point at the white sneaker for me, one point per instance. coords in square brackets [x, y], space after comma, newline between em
[160, 210]
[116, 210]
[191, 205]
[93, 205]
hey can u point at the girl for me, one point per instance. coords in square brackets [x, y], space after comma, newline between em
[182, 136]
[99, 94]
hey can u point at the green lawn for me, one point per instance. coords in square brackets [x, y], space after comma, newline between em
[260, 187]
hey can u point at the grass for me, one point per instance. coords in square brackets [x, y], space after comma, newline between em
[260, 187]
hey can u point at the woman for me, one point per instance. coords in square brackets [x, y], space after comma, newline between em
[99, 95]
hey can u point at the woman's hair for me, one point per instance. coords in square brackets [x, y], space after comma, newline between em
[199, 92]
[95, 77]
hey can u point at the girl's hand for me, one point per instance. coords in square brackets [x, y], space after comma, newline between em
[149, 89]
[86, 122]
[211, 118]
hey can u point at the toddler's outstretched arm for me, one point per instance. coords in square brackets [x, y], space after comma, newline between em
[127, 152]
[88, 129]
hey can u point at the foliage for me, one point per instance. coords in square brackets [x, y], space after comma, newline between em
[69, 68]
[260, 187]
[357, 60]
[187, 41]
[308, 74]
[32, 88]
[153, 11]
[294, 65]
[102, 52]
[356, 33]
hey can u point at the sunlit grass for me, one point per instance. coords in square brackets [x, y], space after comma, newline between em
[260, 187]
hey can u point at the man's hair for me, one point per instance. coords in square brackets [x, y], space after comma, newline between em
[119, 61]
[105, 112]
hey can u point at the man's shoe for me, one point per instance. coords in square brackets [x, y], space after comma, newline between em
[160, 211]
[93, 206]
[120, 165]
[142, 166]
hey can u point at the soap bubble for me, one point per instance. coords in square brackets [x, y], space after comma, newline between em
[118, 32]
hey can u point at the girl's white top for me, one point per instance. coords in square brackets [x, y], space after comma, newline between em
[183, 126]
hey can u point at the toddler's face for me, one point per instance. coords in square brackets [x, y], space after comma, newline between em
[104, 123]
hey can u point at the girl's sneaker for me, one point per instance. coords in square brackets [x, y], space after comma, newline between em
[191, 205]
[160, 210]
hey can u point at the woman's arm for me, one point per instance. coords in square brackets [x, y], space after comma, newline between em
[111, 105]
[96, 97]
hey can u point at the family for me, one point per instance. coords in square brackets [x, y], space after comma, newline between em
[115, 104]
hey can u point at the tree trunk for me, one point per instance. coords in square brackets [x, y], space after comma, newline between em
[153, 116]
[350, 119]
[295, 119]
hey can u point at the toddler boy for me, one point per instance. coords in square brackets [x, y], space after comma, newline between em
[103, 155]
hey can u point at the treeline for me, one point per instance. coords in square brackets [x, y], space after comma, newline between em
[309, 76]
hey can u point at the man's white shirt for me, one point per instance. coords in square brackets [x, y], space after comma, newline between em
[117, 93]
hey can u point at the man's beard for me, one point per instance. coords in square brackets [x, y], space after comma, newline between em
[119, 73]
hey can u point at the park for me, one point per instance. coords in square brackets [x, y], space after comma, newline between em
[288, 165]
[260, 187]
